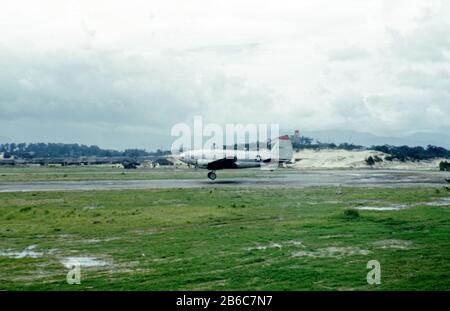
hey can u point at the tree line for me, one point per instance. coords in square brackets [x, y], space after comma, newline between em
[406, 153]
[304, 142]
[57, 150]
[43, 150]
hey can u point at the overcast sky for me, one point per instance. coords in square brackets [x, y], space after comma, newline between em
[121, 73]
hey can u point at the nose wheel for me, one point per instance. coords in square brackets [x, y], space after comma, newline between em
[212, 175]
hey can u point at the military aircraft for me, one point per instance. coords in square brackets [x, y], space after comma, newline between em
[214, 160]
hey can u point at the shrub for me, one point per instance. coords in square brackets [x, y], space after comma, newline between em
[351, 213]
[370, 161]
[377, 159]
[444, 166]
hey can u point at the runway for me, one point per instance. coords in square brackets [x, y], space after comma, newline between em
[289, 179]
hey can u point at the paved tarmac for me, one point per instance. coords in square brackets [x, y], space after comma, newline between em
[290, 179]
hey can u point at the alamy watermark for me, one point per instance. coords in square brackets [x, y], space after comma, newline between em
[374, 275]
[74, 274]
[255, 139]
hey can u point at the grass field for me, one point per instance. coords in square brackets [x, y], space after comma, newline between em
[78, 173]
[226, 239]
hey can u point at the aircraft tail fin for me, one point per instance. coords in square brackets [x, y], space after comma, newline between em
[282, 149]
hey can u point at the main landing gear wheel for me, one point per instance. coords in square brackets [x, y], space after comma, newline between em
[212, 175]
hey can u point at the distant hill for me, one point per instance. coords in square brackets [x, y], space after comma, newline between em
[367, 139]
[344, 159]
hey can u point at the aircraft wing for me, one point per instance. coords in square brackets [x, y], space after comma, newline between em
[222, 164]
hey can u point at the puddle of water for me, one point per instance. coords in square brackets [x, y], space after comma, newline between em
[382, 208]
[441, 202]
[397, 244]
[264, 247]
[69, 262]
[332, 251]
[92, 207]
[65, 236]
[275, 245]
[294, 242]
[324, 202]
[94, 241]
[27, 252]
[326, 237]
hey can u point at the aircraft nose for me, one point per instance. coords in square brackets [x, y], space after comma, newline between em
[183, 158]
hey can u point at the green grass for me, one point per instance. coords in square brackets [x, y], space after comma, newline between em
[226, 239]
[86, 173]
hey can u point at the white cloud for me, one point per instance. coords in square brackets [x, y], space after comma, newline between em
[116, 72]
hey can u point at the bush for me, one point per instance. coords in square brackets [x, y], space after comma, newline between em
[444, 166]
[377, 159]
[370, 161]
[351, 213]
[418, 153]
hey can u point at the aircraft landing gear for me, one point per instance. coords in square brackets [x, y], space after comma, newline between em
[212, 175]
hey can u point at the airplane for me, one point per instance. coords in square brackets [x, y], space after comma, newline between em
[215, 160]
